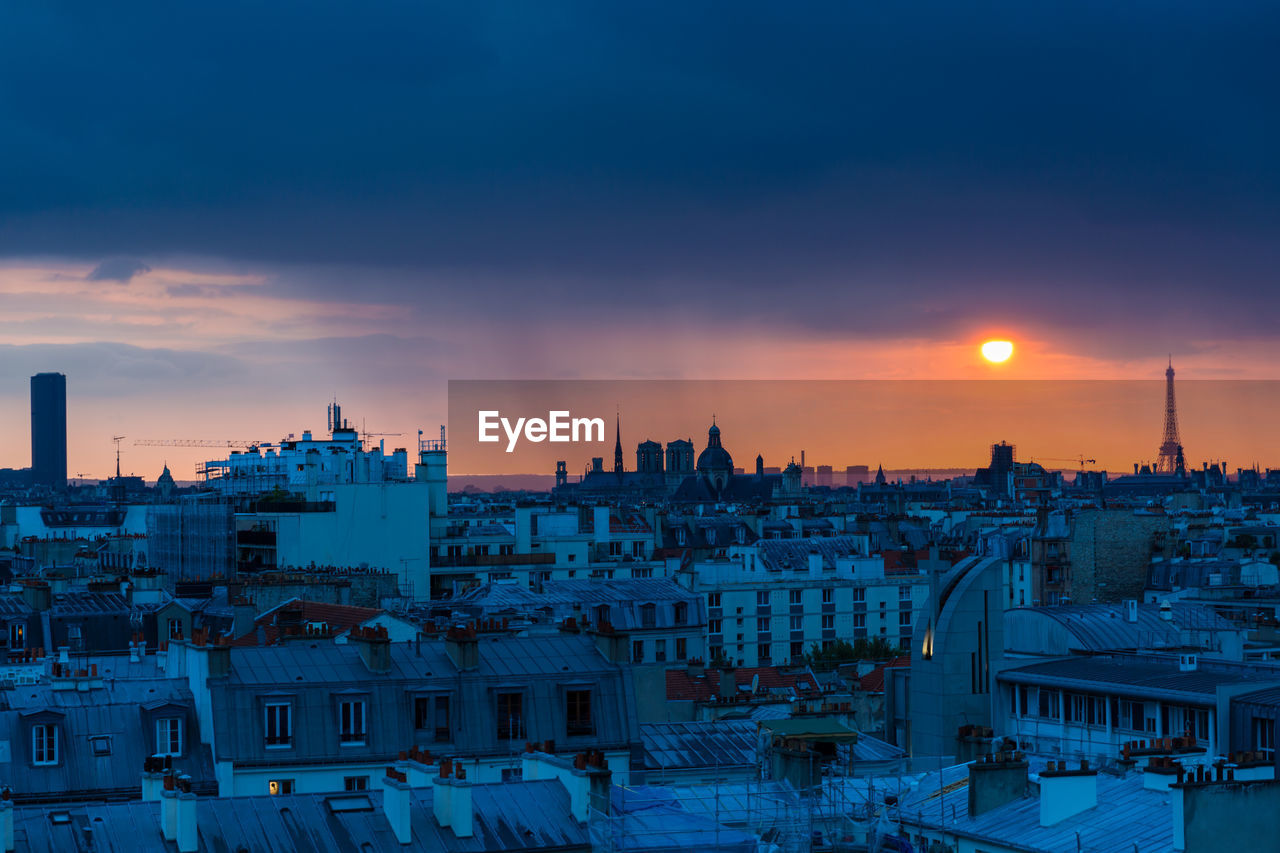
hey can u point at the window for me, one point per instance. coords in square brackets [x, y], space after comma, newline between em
[762, 652]
[355, 783]
[44, 744]
[796, 596]
[860, 621]
[17, 636]
[713, 599]
[578, 707]
[169, 736]
[637, 549]
[860, 594]
[797, 623]
[1264, 735]
[510, 716]
[615, 549]
[648, 615]
[422, 713]
[681, 613]
[904, 592]
[828, 623]
[1022, 690]
[279, 725]
[75, 637]
[660, 650]
[637, 651]
[351, 722]
[828, 596]
[762, 599]
[797, 651]
[100, 745]
[280, 786]
[762, 625]
[1048, 706]
[904, 618]
[714, 626]
[682, 648]
[442, 728]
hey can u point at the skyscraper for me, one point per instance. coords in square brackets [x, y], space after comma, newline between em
[49, 429]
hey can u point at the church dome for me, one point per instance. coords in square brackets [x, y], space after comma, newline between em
[715, 458]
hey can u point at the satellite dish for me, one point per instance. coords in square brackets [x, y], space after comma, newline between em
[755, 684]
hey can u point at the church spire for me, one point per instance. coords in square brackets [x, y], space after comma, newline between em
[617, 445]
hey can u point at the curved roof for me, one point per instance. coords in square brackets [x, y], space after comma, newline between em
[1101, 627]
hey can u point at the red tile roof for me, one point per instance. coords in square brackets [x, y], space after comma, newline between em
[682, 686]
[873, 681]
[339, 618]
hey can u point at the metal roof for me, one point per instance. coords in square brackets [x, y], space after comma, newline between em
[1126, 817]
[685, 746]
[1128, 678]
[1102, 627]
[522, 816]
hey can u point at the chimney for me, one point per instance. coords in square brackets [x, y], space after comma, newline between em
[169, 808]
[442, 794]
[729, 683]
[185, 829]
[1131, 610]
[133, 650]
[1161, 772]
[396, 802]
[1166, 611]
[1065, 793]
[374, 645]
[37, 595]
[6, 821]
[243, 616]
[419, 768]
[152, 778]
[462, 647]
[815, 563]
[697, 668]
[610, 643]
[461, 814]
[995, 780]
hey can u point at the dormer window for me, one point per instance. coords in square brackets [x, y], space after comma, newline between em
[17, 636]
[44, 744]
[169, 736]
[278, 725]
[648, 615]
[351, 722]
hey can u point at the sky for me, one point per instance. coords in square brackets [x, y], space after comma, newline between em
[214, 221]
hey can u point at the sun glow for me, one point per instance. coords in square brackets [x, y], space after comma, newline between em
[997, 351]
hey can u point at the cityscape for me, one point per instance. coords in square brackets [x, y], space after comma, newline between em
[683, 652]
[593, 427]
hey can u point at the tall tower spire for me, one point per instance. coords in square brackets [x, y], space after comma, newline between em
[1171, 444]
[617, 445]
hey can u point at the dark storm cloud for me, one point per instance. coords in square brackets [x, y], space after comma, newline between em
[118, 269]
[1087, 168]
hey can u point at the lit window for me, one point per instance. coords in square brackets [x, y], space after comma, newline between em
[17, 636]
[280, 786]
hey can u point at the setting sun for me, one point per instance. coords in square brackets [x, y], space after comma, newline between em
[997, 351]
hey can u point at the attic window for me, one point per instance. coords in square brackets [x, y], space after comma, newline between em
[100, 744]
[59, 818]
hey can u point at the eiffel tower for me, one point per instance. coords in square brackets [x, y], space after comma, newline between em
[1171, 459]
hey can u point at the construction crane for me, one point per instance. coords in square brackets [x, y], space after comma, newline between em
[1079, 460]
[197, 442]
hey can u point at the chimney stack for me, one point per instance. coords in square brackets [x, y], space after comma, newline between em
[442, 794]
[462, 647]
[186, 831]
[396, 802]
[995, 780]
[169, 808]
[1065, 793]
[462, 817]
[729, 682]
[374, 645]
[6, 821]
